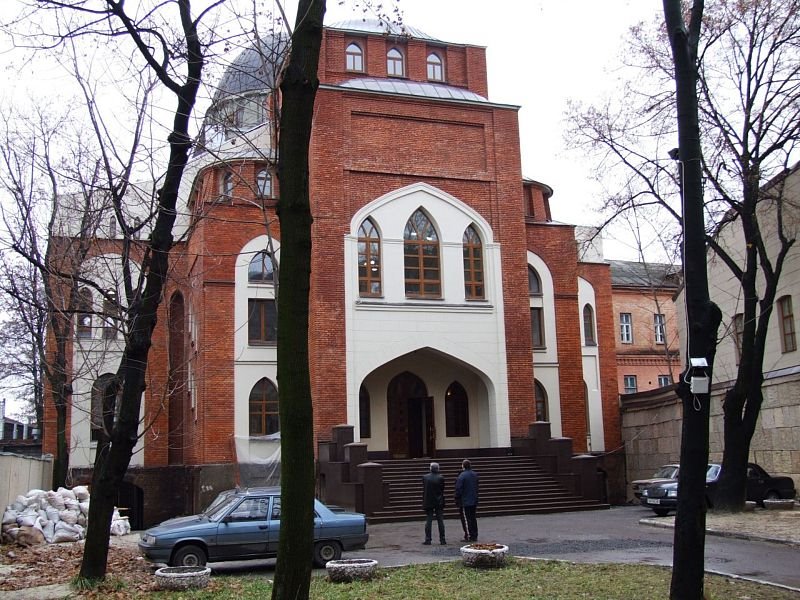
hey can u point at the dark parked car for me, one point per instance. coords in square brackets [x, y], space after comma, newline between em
[663, 497]
[664, 473]
[245, 524]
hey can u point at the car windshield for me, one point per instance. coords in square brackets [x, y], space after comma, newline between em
[713, 472]
[220, 506]
[666, 472]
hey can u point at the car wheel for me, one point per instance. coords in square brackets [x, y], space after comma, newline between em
[189, 556]
[325, 551]
[772, 495]
[661, 512]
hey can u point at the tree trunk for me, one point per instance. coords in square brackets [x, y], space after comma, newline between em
[703, 317]
[298, 88]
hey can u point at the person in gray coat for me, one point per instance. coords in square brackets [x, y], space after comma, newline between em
[467, 498]
[433, 502]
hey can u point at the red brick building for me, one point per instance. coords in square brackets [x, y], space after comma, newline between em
[448, 311]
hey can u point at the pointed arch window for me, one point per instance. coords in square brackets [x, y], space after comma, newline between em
[369, 259]
[421, 258]
[354, 58]
[534, 282]
[435, 70]
[473, 265]
[456, 411]
[264, 184]
[395, 66]
[786, 314]
[85, 303]
[110, 316]
[588, 326]
[261, 268]
[264, 419]
[540, 398]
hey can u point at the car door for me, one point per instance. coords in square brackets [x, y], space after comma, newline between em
[756, 483]
[244, 531]
[274, 533]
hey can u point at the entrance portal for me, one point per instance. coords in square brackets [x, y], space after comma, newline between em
[412, 431]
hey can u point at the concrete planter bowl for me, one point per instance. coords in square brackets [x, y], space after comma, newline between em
[182, 578]
[351, 569]
[484, 556]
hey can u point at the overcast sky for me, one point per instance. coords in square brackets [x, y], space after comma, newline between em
[540, 54]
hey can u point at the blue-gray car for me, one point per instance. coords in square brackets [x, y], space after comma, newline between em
[245, 524]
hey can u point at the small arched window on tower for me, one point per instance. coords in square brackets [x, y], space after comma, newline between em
[264, 184]
[435, 70]
[85, 310]
[473, 265]
[395, 66]
[534, 282]
[588, 326]
[354, 58]
[540, 398]
[226, 185]
[369, 259]
[263, 412]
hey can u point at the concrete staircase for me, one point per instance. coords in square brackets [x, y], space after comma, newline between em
[509, 485]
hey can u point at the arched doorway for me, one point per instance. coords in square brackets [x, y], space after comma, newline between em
[412, 431]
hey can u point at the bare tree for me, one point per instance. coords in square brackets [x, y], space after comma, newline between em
[748, 101]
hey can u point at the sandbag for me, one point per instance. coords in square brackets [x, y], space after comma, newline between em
[27, 519]
[72, 504]
[55, 500]
[84, 506]
[68, 516]
[10, 516]
[64, 532]
[120, 526]
[52, 513]
[49, 531]
[81, 493]
[66, 494]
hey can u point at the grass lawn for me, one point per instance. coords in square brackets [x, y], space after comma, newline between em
[548, 580]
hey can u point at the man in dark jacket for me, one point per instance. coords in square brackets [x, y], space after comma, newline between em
[467, 498]
[433, 502]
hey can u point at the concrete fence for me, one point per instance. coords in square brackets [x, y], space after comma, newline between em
[19, 474]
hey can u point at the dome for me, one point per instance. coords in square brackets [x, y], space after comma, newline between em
[254, 70]
[382, 27]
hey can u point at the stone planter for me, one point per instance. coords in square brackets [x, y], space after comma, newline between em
[352, 569]
[182, 578]
[779, 504]
[484, 555]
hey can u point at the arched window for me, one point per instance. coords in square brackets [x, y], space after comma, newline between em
[588, 326]
[354, 58]
[264, 184]
[364, 415]
[421, 258]
[534, 282]
[456, 411]
[103, 418]
[85, 310]
[369, 259]
[473, 265]
[264, 408]
[435, 71]
[394, 63]
[110, 316]
[786, 323]
[226, 186]
[261, 269]
[540, 398]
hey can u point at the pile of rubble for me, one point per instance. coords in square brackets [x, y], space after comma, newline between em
[41, 517]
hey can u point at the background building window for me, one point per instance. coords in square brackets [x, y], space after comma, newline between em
[264, 184]
[588, 325]
[625, 328]
[664, 380]
[534, 282]
[85, 304]
[354, 58]
[261, 269]
[394, 63]
[435, 71]
[421, 258]
[262, 321]
[788, 338]
[537, 327]
[540, 398]
[630, 384]
[264, 419]
[369, 259]
[473, 265]
[110, 317]
[659, 328]
[456, 411]
[364, 413]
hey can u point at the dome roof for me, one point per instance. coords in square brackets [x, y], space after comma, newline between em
[254, 69]
[382, 27]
